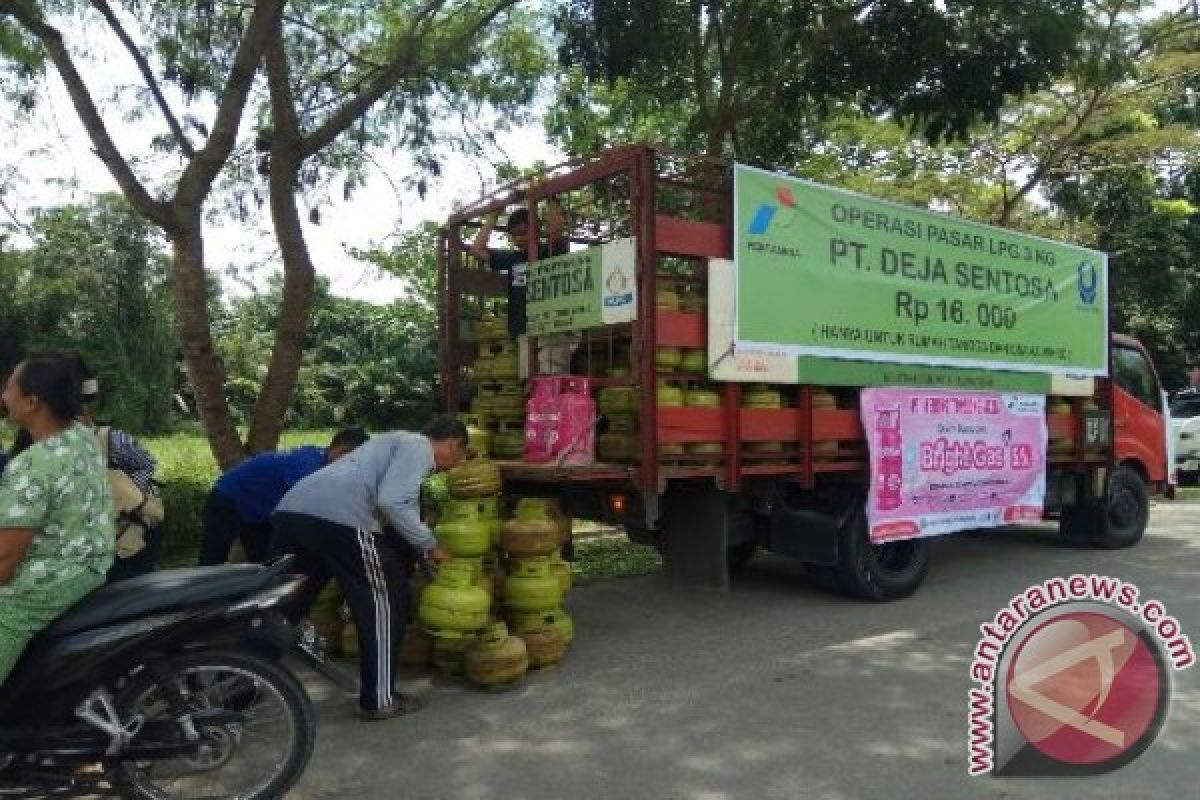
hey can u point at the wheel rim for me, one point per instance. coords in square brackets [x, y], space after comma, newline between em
[1125, 507]
[237, 760]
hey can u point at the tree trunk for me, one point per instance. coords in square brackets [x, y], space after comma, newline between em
[195, 336]
[299, 282]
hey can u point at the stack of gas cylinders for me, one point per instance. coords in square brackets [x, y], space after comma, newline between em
[494, 610]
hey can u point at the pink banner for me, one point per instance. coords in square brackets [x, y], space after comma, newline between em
[945, 460]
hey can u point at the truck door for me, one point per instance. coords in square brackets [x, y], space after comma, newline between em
[1136, 416]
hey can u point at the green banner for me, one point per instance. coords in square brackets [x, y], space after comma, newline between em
[825, 272]
[586, 289]
[837, 372]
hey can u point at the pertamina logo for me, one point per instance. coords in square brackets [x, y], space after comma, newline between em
[1087, 278]
[767, 218]
[765, 215]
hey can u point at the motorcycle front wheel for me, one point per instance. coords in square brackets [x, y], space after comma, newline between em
[258, 747]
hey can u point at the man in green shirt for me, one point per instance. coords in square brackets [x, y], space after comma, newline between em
[56, 529]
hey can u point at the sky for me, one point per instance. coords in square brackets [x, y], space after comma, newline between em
[47, 161]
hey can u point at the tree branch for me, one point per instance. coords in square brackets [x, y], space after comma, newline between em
[1154, 84]
[30, 18]
[401, 61]
[202, 170]
[279, 81]
[699, 53]
[1051, 159]
[185, 146]
[299, 276]
[332, 40]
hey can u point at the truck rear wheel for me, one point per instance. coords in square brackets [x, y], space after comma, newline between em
[879, 572]
[824, 578]
[739, 555]
[640, 534]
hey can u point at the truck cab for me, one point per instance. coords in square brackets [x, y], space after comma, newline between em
[1138, 426]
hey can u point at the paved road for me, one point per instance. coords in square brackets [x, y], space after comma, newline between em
[773, 690]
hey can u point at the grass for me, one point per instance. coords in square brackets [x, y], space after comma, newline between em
[613, 556]
[1189, 494]
[189, 453]
[187, 471]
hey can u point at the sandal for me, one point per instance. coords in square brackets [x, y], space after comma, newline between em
[401, 704]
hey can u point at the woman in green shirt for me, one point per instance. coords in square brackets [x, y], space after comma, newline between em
[56, 530]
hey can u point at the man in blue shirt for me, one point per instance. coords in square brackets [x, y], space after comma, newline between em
[240, 504]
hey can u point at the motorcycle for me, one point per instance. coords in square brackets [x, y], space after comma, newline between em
[164, 686]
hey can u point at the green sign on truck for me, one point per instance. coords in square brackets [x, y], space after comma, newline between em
[584, 289]
[826, 272]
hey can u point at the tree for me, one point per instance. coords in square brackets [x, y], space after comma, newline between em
[12, 315]
[32, 36]
[364, 364]
[331, 70]
[1104, 112]
[751, 77]
[94, 281]
[1104, 154]
[1150, 227]
[340, 80]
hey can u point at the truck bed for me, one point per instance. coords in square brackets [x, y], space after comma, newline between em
[521, 471]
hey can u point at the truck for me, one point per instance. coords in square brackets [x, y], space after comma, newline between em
[760, 461]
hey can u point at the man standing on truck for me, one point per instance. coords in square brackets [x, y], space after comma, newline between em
[330, 520]
[554, 353]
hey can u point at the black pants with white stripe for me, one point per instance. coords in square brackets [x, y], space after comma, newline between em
[372, 580]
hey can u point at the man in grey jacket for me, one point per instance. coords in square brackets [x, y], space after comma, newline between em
[330, 520]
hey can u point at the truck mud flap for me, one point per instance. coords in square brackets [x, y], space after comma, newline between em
[807, 535]
[694, 535]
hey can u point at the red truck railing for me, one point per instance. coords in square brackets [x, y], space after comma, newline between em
[679, 209]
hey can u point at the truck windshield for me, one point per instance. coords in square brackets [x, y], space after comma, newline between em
[1185, 407]
[1134, 375]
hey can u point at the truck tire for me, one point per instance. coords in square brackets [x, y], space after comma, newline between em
[824, 577]
[742, 539]
[1119, 522]
[879, 573]
[739, 555]
[640, 534]
[1127, 510]
[1079, 522]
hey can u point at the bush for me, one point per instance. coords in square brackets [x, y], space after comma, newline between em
[186, 472]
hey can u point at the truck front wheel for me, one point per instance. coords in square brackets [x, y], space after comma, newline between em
[1128, 510]
[1120, 522]
[879, 572]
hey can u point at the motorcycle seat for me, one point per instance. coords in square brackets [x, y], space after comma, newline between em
[163, 591]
